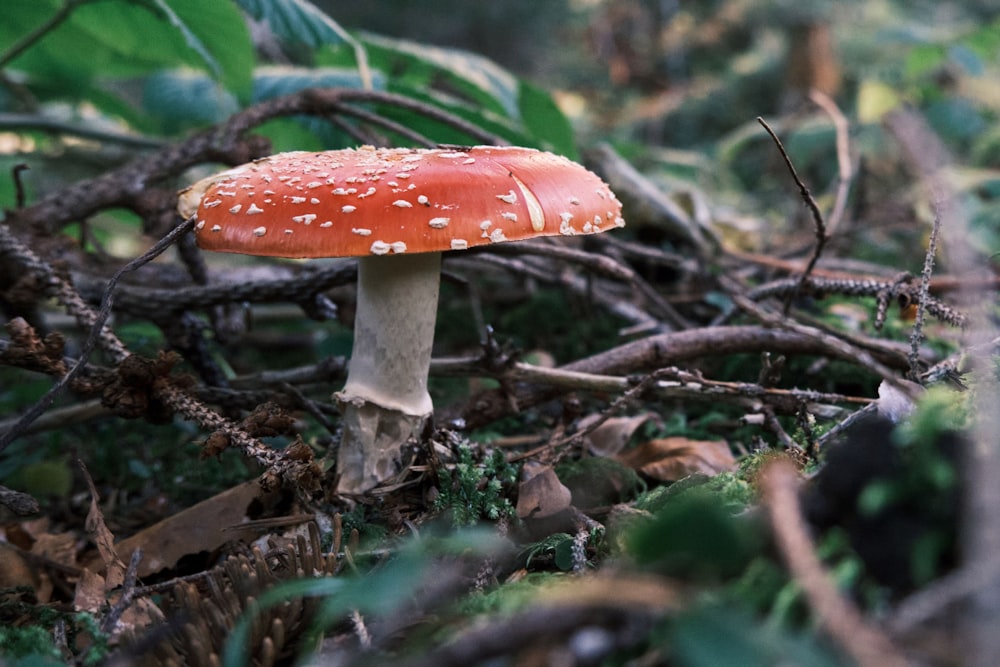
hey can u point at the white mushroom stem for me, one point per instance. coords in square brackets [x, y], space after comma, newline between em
[385, 399]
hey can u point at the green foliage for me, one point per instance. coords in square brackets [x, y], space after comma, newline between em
[558, 547]
[193, 63]
[694, 532]
[34, 646]
[714, 634]
[476, 488]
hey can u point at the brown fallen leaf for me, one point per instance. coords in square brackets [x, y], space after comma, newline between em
[102, 537]
[203, 527]
[671, 459]
[611, 437]
[542, 495]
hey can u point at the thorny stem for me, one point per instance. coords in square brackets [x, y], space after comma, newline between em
[916, 336]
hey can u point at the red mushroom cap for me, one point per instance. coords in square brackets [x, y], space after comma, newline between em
[370, 201]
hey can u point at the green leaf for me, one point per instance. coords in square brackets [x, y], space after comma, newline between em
[544, 120]
[297, 22]
[220, 29]
[275, 81]
[114, 39]
[183, 99]
[458, 74]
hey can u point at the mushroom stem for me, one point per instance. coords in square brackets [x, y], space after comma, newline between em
[385, 399]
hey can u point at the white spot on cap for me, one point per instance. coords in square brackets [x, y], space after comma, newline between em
[380, 248]
[288, 231]
[367, 193]
[339, 191]
[313, 200]
[510, 197]
[212, 204]
[260, 231]
[304, 219]
[348, 209]
[254, 209]
[297, 200]
[574, 201]
[402, 203]
[235, 209]
[485, 224]
[361, 231]
[200, 225]
[470, 160]
[216, 228]
[565, 228]
[422, 199]
[512, 217]
[496, 236]
[459, 244]
[328, 223]
[402, 174]
[535, 213]
[398, 247]
[314, 184]
[439, 223]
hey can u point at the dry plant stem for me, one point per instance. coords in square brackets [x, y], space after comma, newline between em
[820, 225]
[385, 400]
[917, 335]
[209, 420]
[99, 332]
[866, 645]
[845, 172]
[846, 350]
[653, 352]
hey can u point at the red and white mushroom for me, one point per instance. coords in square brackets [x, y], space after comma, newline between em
[397, 210]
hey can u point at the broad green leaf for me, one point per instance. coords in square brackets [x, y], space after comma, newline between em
[183, 99]
[275, 81]
[544, 120]
[463, 75]
[110, 39]
[220, 27]
[296, 22]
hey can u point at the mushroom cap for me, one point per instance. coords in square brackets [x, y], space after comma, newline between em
[377, 201]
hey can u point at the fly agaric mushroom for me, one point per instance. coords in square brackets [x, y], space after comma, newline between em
[397, 210]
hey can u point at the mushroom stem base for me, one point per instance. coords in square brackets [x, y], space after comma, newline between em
[372, 445]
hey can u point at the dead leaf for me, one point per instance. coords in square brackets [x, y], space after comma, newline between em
[611, 437]
[90, 592]
[204, 527]
[542, 495]
[671, 459]
[102, 537]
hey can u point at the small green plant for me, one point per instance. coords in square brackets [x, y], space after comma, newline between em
[34, 644]
[473, 490]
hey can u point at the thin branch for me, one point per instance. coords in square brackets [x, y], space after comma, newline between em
[845, 173]
[817, 215]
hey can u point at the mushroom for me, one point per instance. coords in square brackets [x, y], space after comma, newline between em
[397, 210]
